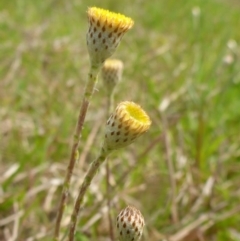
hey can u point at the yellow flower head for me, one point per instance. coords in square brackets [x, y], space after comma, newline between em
[111, 73]
[127, 122]
[105, 32]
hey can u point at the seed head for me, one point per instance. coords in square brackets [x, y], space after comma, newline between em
[127, 122]
[111, 73]
[105, 32]
[130, 223]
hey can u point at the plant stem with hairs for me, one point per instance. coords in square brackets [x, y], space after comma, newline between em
[111, 75]
[92, 79]
[87, 181]
[111, 233]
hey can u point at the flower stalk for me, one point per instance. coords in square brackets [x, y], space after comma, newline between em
[86, 183]
[111, 76]
[89, 89]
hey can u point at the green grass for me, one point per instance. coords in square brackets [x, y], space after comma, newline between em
[185, 53]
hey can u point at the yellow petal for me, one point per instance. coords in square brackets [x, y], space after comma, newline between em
[110, 20]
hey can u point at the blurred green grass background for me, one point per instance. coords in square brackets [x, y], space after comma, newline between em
[181, 65]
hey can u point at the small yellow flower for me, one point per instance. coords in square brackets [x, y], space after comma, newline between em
[127, 122]
[111, 73]
[105, 32]
[130, 224]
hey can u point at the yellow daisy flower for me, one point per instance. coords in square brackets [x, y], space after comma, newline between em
[105, 32]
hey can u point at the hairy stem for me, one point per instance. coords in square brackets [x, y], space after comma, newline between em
[111, 233]
[89, 89]
[86, 183]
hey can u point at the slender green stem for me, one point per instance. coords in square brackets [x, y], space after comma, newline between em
[86, 183]
[110, 99]
[108, 188]
[110, 103]
[89, 89]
